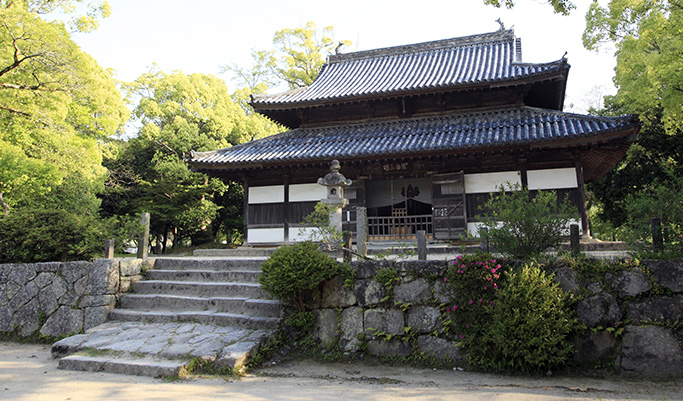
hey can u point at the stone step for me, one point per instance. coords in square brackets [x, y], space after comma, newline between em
[157, 349]
[240, 305]
[235, 253]
[184, 263]
[128, 365]
[207, 317]
[198, 288]
[239, 276]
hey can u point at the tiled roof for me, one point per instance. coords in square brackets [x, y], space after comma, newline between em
[447, 134]
[451, 63]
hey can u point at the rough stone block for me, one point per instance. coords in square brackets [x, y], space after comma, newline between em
[22, 273]
[27, 319]
[651, 351]
[47, 300]
[47, 267]
[431, 267]
[5, 319]
[103, 277]
[416, 291]
[591, 347]
[336, 294]
[424, 319]
[567, 279]
[442, 292]
[130, 267]
[24, 295]
[369, 292]
[95, 316]
[351, 327]
[73, 271]
[64, 321]
[368, 268]
[440, 349]
[325, 328]
[630, 283]
[97, 300]
[42, 280]
[599, 310]
[389, 348]
[668, 273]
[389, 321]
[658, 308]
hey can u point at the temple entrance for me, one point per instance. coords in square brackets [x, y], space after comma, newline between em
[399, 208]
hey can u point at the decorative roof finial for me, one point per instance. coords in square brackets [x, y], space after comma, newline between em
[502, 26]
[336, 50]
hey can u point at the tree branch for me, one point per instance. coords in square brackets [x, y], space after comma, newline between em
[15, 111]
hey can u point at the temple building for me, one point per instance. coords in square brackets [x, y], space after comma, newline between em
[425, 132]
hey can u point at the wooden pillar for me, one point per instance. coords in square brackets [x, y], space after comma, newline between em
[285, 209]
[585, 226]
[574, 243]
[523, 176]
[245, 214]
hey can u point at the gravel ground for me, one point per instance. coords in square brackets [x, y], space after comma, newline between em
[28, 373]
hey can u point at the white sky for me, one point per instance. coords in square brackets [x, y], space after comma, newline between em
[201, 35]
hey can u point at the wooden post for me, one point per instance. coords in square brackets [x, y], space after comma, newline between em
[362, 228]
[421, 245]
[484, 239]
[657, 239]
[109, 249]
[144, 236]
[346, 243]
[574, 239]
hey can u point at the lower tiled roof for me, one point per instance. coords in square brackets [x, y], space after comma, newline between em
[424, 136]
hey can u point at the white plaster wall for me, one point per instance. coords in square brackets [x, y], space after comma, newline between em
[307, 192]
[490, 182]
[556, 178]
[299, 234]
[265, 235]
[267, 194]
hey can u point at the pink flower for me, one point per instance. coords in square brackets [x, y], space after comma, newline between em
[485, 288]
[480, 300]
[471, 302]
[467, 326]
[461, 336]
[491, 303]
[445, 279]
[498, 266]
[455, 307]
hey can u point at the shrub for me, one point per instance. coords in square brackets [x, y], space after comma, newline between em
[292, 271]
[522, 225]
[529, 326]
[663, 202]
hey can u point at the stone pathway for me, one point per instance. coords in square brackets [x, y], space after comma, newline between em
[163, 349]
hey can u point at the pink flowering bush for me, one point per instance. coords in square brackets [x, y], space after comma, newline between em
[473, 282]
[509, 319]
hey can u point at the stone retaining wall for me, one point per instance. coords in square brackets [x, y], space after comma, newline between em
[55, 299]
[629, 316]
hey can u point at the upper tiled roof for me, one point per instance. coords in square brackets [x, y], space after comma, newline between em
[450, 63]
[425, 136]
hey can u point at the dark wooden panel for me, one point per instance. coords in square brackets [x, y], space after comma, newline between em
[299, 210]
[265, 213]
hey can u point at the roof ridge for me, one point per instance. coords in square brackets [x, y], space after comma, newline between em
[500, 35]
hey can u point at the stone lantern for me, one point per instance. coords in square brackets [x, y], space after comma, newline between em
[335, 183]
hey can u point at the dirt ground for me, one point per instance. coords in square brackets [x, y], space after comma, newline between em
[28, 373]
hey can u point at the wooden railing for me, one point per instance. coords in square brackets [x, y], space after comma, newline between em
[393, 228]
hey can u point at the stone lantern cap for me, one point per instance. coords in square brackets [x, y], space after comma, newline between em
[334, 178]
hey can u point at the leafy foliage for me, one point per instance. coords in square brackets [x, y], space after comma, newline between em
[523, 225]
[529, 326]
[293, 271]
[322, 231]
[563, 7]
[42, 235]
[657, 201]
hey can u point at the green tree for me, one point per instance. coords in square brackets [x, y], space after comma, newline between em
[297, 59]
[649, 79]
[648, 36]
[177, 114]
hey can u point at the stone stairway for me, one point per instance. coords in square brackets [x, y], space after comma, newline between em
[207, 309]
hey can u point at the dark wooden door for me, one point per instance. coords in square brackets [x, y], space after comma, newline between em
[448, 201]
